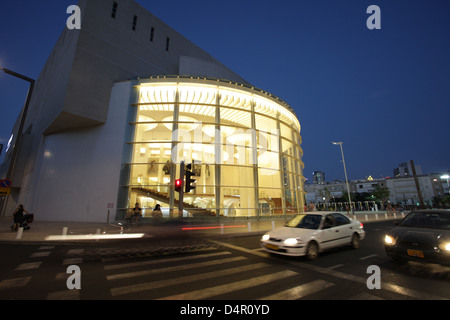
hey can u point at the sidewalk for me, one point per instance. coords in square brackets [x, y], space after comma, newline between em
[49, 231]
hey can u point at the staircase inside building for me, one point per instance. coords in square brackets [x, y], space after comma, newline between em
[194, 210]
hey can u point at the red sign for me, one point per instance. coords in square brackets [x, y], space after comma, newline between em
[5, 183]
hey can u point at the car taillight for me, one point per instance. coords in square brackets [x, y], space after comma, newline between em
[361, 225]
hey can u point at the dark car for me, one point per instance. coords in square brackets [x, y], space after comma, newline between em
[423, 235]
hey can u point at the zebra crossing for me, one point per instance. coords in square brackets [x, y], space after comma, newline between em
[210, 273]
[242, 276]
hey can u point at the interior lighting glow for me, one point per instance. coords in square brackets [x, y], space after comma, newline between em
[213, 227]
[93, 237]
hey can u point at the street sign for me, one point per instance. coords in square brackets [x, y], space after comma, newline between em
[5, 191]
[5, 183]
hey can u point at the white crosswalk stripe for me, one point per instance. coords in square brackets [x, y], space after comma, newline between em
[13, 283]
[148, 279]
[182, 280]
[300, 291]
[230, 287]
[182, 267]
[167, 260]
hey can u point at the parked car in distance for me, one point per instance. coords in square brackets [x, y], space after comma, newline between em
[423, 235]
[308, 234]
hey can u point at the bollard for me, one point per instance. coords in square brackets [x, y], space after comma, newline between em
[249, 227]
[64, 232]
[376, 216]
[98, 233]
[221, 228]
[366, 217]
[273, 225]
[19, 233]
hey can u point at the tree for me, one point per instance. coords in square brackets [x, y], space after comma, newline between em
[381, 193]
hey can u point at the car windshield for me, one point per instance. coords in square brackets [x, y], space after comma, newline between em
[305, 221]
[435, 220]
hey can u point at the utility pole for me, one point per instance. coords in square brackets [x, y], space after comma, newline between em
[345, 171]
[416, 181]
[181, 192]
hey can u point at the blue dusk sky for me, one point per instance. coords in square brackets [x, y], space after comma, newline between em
[385, 93]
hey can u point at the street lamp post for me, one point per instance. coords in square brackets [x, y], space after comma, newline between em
[16, 146]
[446, 177]
[345, 171]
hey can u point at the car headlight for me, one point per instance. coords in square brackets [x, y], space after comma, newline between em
[265, 237]
[445, 246]
[389, 240]
[291, 241]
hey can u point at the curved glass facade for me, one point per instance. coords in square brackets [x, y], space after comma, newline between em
[243, 144]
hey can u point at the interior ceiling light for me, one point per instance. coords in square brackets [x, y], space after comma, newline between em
[184, 126]
[209, 129]
[147, 126]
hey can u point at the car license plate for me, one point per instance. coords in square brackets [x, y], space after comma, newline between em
[271, 246]
[415, 253]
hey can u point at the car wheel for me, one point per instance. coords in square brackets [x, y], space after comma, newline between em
[312, 251]
[355, 241]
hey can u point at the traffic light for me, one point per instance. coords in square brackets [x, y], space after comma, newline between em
[189, 181]
[178, 185]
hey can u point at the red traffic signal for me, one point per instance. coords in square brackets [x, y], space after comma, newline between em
[178, 185]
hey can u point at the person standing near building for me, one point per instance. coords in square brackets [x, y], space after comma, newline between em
[137, 213]
[157, 213]
[18, 217]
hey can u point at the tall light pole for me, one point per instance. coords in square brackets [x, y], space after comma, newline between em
[345, 171]
[15, 149]
[447, 177]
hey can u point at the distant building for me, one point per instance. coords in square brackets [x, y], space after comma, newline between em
[403, 190]
[405, 170]
[318, 177]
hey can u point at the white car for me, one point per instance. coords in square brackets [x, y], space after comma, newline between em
[310, 233]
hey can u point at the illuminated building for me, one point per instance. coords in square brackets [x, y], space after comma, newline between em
[243, 143]
[100, 131]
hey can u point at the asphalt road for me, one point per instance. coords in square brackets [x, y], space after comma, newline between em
[225, 269]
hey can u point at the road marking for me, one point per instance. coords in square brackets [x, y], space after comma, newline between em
[368, 257]
[150, 262]
[170, 269]
[13, 283]
[40, 254]
[335, 266]
[300, 291]
[231, 287]
[72, 261]
[74, 252]
[365, 296]
[385, 285]
[229, 245]
[62, 276]
[46, 248]
[28, 266]
[64, 295]
[186, 279]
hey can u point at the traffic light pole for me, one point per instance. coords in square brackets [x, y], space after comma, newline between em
[180, 194]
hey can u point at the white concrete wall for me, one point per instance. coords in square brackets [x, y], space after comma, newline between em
[79, 169]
